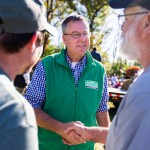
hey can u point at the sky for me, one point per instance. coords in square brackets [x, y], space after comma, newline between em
[109, 43]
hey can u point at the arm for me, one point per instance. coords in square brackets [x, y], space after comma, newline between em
[94, 134]
[99, 134]
[103, 119]
[47, 122]
[102, 112]
[35, 94]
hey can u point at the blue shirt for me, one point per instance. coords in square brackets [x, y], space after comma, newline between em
[36, 90]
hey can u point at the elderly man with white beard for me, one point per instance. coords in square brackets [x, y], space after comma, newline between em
[130, 127]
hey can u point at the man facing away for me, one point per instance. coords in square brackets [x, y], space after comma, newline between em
[96, 55]
[130, 127]
[71, 91]
[21, 34]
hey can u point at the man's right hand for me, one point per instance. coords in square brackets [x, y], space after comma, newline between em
[70, 136]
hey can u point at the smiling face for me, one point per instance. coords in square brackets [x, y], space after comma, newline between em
[76, 47]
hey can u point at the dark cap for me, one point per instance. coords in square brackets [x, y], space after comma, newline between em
[116, 4]
[23, 16]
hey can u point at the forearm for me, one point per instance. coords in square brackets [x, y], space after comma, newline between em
[47, 122]
[96, 134]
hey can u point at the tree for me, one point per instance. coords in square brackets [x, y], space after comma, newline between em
[55, 14]
[119, 67]
[95, 11]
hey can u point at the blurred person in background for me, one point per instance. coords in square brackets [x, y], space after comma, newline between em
[114, 80]
[96, 55]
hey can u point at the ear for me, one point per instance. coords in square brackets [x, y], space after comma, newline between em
[146, 26]
[32, 42]
[64, 39]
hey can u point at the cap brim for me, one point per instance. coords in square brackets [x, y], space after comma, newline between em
[117, 4]
[51, 29]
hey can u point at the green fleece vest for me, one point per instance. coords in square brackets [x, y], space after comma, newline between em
[67, 103]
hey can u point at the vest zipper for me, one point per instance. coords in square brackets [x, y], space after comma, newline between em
[77, 91]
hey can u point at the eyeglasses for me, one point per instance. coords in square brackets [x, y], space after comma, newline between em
[121, 18]
[78, 35]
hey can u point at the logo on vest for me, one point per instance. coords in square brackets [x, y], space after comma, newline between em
[91, 84]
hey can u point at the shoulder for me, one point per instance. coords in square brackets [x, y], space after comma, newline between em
[15, 108]
[50, 57]
[142, 81]
[49, 61]
[99, 64]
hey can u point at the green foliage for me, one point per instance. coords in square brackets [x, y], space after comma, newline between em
[119, 67]
[51, 50]
[55, 12]
[94, 10]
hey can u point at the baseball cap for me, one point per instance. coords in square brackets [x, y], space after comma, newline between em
[117, 4]
[24, 16]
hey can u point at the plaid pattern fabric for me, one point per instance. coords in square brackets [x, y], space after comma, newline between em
[77, 71]
[36, 90]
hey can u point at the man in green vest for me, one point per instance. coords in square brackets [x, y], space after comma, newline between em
[66, 91]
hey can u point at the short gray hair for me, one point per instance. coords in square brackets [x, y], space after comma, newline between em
[72, 18]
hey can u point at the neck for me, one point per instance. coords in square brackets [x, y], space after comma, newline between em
[74, 58]
[10, 65]
[144, 58]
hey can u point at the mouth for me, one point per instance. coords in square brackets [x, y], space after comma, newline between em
[82, 45]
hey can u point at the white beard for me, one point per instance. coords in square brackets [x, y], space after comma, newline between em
[128, 45]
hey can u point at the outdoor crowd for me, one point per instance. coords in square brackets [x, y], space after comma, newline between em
[65, 104]
[125, 79]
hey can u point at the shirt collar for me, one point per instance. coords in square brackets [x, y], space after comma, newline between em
[82, 61]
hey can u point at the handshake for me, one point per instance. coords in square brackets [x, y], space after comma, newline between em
[76, 133]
